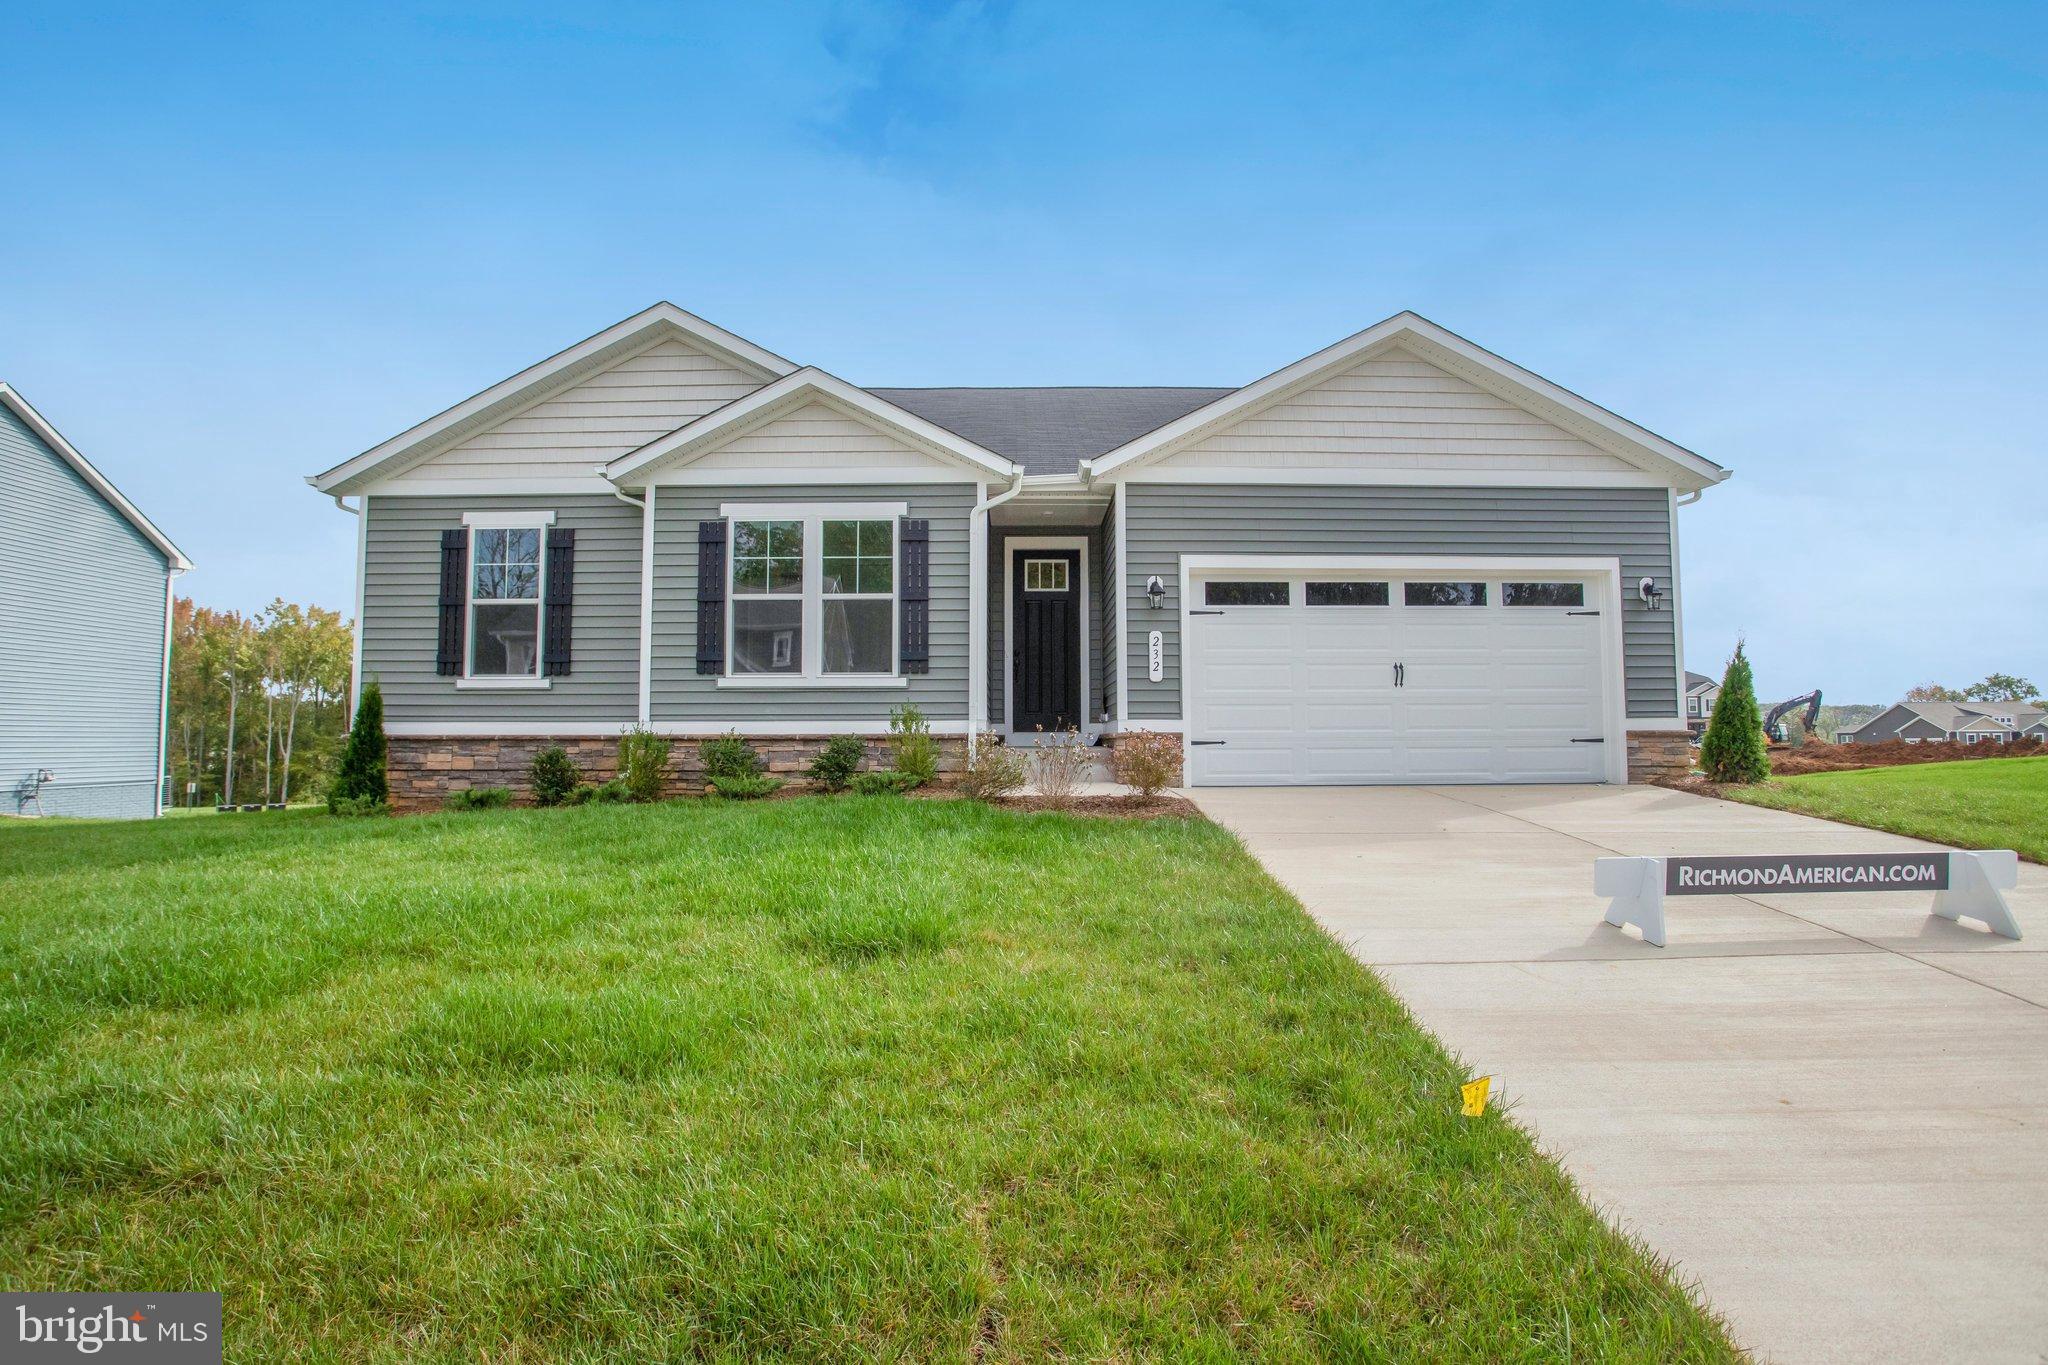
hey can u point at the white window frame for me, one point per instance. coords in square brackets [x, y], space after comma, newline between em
[523, 520]
[1036, 562]
[814, 515]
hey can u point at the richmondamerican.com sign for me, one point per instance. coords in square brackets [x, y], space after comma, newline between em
[1725, 876]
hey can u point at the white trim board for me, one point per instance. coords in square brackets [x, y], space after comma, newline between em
[1602, 573]
[1087, 724]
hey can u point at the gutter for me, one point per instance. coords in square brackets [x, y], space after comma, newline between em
[977, 615]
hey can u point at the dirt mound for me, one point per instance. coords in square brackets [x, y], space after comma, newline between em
[1815, 757]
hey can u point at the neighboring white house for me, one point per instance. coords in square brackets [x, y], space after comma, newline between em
[1965, 722]
[1700, 694]
[85, 600]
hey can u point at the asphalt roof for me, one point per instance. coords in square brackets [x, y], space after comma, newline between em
[1695, 681]
[1049, 431]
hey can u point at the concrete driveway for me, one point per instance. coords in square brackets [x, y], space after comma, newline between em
[1830, 1110]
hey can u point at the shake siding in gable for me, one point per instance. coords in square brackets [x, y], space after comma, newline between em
[401, 614]
[597, 419]
[1165, 521]
[81, 638]
[681, 697]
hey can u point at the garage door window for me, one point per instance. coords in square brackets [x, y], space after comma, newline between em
[1543, 594]
[1244, 594]
[1347, 594]
[1444, 594]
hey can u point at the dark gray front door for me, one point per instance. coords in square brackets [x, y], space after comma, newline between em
[1045, 649]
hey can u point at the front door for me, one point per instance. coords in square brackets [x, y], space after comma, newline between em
[1045, 649]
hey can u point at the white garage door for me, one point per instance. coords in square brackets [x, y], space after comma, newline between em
[1362, 678]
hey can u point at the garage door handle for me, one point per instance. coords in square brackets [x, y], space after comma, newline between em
[1601, 740]
[1201, 743]
[1193, 612]
[1582, 613]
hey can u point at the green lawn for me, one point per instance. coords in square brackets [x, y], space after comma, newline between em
[864, 1077]
[1976, 803]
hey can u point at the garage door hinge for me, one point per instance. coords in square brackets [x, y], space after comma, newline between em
[1601, 740]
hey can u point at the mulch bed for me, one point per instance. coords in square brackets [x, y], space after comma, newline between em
[1815, 757]
[1131, 807]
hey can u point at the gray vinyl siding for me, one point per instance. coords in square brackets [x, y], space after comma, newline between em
[682, 697]
[401, 614]
[1165, 521]
[81, 638]
[998, 594]
[1918, 728]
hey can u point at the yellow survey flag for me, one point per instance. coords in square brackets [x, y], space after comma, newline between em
[1475, 1096]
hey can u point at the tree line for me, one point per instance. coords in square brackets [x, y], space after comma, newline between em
[1995, 687]
[259, 703]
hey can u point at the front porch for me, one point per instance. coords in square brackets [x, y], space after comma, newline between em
[1051, 616]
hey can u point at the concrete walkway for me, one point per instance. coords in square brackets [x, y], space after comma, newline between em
[1830, 1110]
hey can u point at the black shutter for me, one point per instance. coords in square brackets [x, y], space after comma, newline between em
[561, 599]
[914, 591]
[711, 597]
[454, 581]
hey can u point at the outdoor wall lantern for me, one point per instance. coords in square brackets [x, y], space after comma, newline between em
[1652, 598]
[1155, 592]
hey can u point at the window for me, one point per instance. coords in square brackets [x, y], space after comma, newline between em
[1045, 575]
[1444, 594]
[1543, 594]
[1244, 594]
[1692, 706]
[1347, 594]
[767, 596]
[860, 596]
[814, 592]
[504, 601]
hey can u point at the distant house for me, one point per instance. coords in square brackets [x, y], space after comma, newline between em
[1965, 722]
[85, 596]
[1700, 693]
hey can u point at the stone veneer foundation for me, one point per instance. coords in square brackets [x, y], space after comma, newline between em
[1659, 755]
[423, 769]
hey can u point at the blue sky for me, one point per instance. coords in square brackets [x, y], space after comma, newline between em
[1804, 240]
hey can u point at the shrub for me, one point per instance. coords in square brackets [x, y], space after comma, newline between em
[1146, 760]
[883, 784]
[1058, 767]
[480, 798]
[917, 753]
[750, 788]
[360, 776]
[838, 761]
[612, 793]
[356, 805]
[554, 778]
[994, 769]
[1733, 750]
[643, 764]
[729, 756]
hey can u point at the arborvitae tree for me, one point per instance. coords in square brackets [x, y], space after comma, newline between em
[360, 778]
[1733, 750]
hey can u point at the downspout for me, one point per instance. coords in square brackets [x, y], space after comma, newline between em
[977, 607]
[163, 713]
[355, 649]
[646, 681]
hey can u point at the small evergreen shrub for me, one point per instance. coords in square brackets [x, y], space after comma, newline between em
[729, 756]
[1146, 760]
[359, 778]
[883, 783]
[356, 805]
[612, 793]
[643, 764]
[994, 769]
[838, 761]
[480, 798]
[749, 788]
[1733, 748]
[917, 753]
[554, 778]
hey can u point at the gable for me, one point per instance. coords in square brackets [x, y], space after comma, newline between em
[597, 419]
[40, 464]
[1394, 411]
[818, 440]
